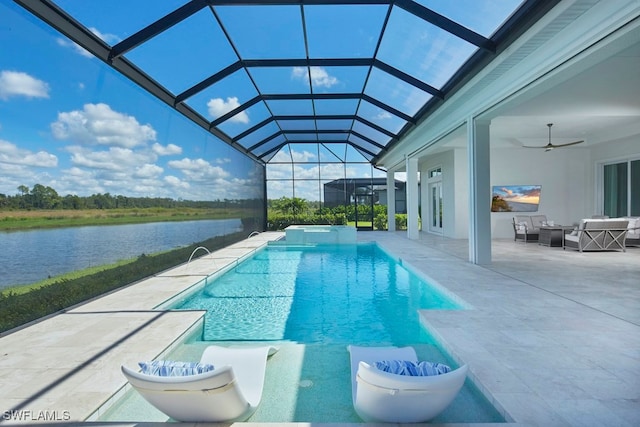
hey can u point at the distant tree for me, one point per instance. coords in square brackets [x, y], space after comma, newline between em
[71, 201]
[44, 197]
[498, 204]
[290, 205]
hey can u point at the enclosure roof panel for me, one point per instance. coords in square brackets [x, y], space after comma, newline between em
[262, 75]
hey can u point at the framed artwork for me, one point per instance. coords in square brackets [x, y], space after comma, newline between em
[515, 198]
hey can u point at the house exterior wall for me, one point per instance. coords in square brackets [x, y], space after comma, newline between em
[564, 175]
[569, 178]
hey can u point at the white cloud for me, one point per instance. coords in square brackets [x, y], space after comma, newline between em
[175, 182]
[319, 76]
[16, 83]
[199, 170]
[219, 107]
[167, 150]
[11, 154]
[298, 157]
[148, 171]
[110, 39]
[98, 124]
[113, 159]
[383, 115]
[303, 156]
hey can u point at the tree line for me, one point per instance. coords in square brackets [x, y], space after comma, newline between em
[46, 198]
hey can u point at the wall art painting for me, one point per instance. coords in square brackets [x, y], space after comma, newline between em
[515, 198]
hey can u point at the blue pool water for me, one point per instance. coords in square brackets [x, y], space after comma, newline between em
[329, 294]
[311, 302]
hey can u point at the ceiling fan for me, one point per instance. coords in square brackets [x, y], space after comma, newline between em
[551, 146]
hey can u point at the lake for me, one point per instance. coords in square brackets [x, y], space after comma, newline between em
[33, 255]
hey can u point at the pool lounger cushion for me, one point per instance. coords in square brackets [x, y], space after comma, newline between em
[410, 368]
[169, 368]
[230, 392]
[380, 396]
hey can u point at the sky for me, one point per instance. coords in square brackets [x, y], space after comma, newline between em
[70, 122]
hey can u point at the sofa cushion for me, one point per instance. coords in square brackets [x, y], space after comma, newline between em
[572, 237]
[538, 220]
[524, 220]
[521, 227]
[633, 227]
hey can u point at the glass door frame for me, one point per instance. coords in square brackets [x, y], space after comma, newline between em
[435, 197]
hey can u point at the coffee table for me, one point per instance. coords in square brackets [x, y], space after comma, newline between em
[553, 235]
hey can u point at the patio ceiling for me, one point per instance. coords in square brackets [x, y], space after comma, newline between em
[264, 74]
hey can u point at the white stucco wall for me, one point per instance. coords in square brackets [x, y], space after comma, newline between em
[621, 149]
[566, 177]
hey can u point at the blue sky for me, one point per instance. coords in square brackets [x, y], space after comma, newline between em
[70, 122]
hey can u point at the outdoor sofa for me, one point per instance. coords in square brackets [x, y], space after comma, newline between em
[598, 235]
[527, 227]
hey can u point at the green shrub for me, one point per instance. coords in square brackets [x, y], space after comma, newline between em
[278, 221]
[401, 221]
[380, 222]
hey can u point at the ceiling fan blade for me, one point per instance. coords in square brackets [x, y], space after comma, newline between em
[568, 144]
[548, 146]
[551, 146]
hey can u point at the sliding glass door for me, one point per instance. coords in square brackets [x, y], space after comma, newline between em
[622, 189]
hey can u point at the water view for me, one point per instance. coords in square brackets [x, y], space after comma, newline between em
[30, 256]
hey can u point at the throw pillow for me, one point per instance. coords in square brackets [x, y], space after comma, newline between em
[168, 368]
[413, 369]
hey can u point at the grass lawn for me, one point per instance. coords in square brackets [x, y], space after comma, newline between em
[24, 220]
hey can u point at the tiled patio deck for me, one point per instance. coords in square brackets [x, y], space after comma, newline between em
[553, 336]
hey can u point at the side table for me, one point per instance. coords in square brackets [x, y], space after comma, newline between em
[553, 235]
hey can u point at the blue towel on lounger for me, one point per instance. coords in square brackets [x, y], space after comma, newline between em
[168, 368]
[413, 369]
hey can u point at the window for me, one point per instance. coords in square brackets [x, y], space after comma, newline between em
[621, 184]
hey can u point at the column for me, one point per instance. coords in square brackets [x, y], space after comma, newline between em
[479, 191]
[413, 231]
[391, 201]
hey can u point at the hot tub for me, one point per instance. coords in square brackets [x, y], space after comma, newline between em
[305, 234]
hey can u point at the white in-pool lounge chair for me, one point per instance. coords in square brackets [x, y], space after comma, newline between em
[230, 392]
[380, 396]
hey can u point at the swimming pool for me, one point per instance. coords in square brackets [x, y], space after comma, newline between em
[312, 301]
[350, 294]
